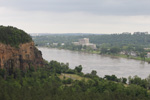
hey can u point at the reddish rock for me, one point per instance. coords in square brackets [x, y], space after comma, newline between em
[24, 57]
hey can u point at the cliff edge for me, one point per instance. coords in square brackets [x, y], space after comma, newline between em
[21, 53]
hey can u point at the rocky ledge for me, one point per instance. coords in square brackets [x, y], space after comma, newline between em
[23, 57]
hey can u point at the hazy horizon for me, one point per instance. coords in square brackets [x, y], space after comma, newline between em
[76, 16]
[81, 33]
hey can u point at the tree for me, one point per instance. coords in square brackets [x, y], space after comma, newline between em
[104, 50]
[142, 55]
[94, 72]
[112, 77]
[124, 80]
[78, 68]
[114, 50]
[148, 82]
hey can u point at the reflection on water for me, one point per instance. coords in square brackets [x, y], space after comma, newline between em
[104, 65]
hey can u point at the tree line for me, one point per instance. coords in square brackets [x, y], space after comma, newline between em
[123, 39]
[111, 44]
[44, 84]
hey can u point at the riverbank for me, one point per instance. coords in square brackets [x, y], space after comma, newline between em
[128, 57]
[104, 65]
[135, 58]
[120, 55]
[110, 55]
[82, 50]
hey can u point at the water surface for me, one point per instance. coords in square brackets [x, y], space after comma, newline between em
[104, 65]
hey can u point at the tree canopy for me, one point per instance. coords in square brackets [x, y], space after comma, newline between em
[12, 36]
[45, 83]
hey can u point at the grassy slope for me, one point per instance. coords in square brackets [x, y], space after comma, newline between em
[72, 76]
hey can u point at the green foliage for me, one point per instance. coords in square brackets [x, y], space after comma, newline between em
[78, 68]
[138, 81]
[114, 50]
[112, 78]
[124, 80]
[106, 44]
[57, 67]
[2, 73]
[13, 36]
[44, 84]
[68, 81]
[94, 72]
[104, 50]
[108, 40]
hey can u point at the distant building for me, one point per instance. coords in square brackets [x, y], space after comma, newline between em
[85, 42]
[55, 44]
[132, 53]
[91, 45]
[62, 44]
[123, 52]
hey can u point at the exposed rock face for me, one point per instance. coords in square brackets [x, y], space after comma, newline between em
[25, 56]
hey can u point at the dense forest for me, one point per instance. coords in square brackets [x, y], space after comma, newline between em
[45, 84]
[142, 39]
[13, 36]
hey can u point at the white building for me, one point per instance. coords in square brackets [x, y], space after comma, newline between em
[91, 45]
[132, 53]
[55, 44]
[85, 42]
[62, 44]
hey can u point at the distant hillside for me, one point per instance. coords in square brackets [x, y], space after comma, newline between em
[142, 39]
[70, 34]
[13, 36]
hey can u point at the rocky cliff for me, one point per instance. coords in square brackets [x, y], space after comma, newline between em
[25, 56]
[21, 53]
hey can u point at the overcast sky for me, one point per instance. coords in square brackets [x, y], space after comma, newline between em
[76, 16]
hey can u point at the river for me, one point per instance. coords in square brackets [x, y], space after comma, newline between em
[104, 65]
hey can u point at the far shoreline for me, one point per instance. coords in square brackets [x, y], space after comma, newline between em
[108, 55]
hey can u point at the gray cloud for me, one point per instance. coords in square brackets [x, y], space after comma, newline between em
[100, 7]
